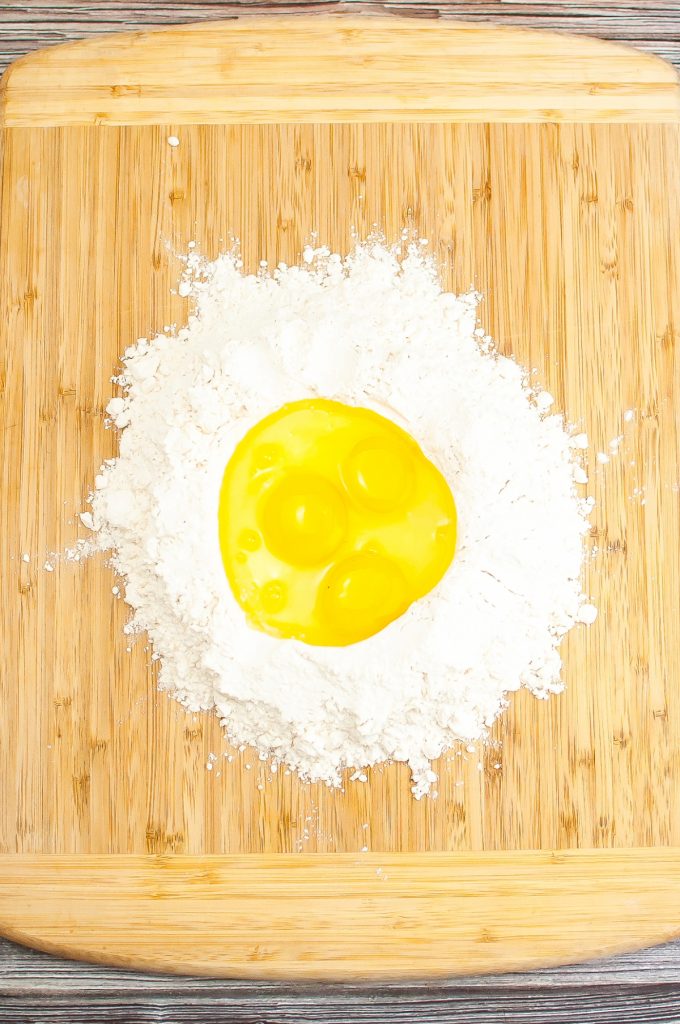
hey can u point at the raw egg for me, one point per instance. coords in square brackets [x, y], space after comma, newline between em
[332, 522]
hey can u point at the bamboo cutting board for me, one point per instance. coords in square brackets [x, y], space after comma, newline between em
[544, 170]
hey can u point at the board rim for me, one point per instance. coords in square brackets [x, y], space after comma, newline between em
[231, 935]
[594, 80]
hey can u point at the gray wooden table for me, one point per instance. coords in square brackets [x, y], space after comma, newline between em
[637, 988]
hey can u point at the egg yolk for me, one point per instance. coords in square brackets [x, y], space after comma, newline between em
[332, 522]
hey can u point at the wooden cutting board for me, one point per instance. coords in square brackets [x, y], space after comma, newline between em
[543, 169]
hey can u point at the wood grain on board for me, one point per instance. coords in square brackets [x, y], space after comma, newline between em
[571, 232]
[341, 916]
[360, 70]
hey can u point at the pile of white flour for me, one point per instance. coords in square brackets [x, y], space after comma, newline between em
[372, 330]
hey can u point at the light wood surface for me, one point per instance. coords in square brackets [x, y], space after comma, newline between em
[571, 231]
[368, 70]
[342, 916]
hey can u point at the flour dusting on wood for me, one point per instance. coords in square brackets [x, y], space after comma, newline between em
[375, 329]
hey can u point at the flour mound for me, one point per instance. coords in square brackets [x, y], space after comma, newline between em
[375, 330]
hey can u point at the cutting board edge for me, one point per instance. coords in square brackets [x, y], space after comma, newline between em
[593, 80]
[342, 917]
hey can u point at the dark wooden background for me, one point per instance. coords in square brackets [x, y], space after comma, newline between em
[635, 989]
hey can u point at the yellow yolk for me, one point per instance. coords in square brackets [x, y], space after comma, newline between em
[332, 522]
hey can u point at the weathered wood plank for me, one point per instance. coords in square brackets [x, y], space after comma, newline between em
[628, 1006]
[639, 988]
